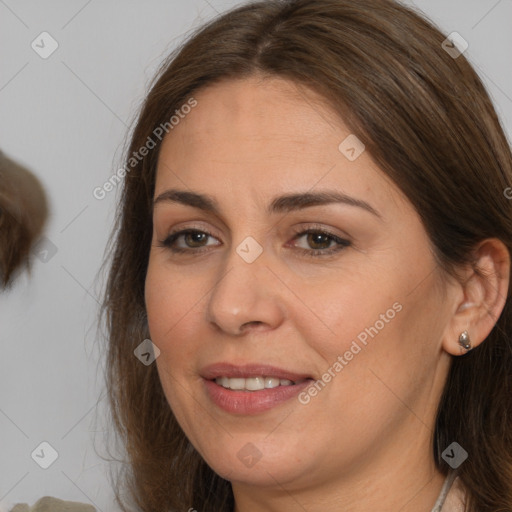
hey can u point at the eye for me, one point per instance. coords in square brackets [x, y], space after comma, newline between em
[192, 238]
[320, 242]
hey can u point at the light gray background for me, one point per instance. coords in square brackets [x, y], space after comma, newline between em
[66, 118]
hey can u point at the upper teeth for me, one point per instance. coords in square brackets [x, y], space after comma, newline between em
[252, 383]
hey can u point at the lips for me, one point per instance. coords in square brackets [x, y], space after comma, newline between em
[251, 389]
[231, 371]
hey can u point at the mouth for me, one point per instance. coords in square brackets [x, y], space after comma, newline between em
[251, 377]
[251, 389]
[254, 383]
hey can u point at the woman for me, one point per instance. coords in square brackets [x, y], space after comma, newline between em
[311, 265]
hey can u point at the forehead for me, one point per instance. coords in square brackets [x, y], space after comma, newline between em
[272, 112]
[261, 136]
[274, 101]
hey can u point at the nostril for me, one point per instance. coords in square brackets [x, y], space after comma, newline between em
[253, 325]
[255, 322]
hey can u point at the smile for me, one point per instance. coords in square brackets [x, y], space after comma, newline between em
[253, 383]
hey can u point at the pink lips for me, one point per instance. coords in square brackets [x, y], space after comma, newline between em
[251, 402]
[250, 370]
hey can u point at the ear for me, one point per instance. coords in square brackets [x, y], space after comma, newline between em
[481, 296]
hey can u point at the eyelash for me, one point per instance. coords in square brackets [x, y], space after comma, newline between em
[314, 253]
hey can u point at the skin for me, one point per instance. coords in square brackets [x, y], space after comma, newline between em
[363, 443]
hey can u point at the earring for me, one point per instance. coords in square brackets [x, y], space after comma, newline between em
[464, 340]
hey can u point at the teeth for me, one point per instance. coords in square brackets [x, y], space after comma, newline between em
[236, 383]
[271, 382]
[255, 383]
[252, 383]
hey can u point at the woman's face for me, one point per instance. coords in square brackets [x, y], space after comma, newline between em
[299, 262]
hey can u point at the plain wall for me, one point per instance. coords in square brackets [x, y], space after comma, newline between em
[66, 118]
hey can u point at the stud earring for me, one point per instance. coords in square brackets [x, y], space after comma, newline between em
[464, 340]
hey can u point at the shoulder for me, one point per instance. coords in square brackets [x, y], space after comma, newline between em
[48, 504]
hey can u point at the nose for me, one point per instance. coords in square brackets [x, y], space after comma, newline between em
[246, 297]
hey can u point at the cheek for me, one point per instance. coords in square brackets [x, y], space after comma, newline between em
[166, 303]
[350, 308]
[371, 327]
[170, 308]
[175, 305]
[159, 303]
[171, 299]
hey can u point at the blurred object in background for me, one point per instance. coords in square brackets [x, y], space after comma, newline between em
[23, 213]
[48, 504]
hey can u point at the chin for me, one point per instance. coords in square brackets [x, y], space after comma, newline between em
[246, 462]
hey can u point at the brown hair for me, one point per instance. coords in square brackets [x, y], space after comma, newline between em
[427, 121]
[23, 212]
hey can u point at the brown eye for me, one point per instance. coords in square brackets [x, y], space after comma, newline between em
[319, 240]
[320, 243]
[195, 239]
[187, 240]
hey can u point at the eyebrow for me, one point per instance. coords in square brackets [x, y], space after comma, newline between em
[280, 204]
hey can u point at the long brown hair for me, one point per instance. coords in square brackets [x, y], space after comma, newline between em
[427, 121]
